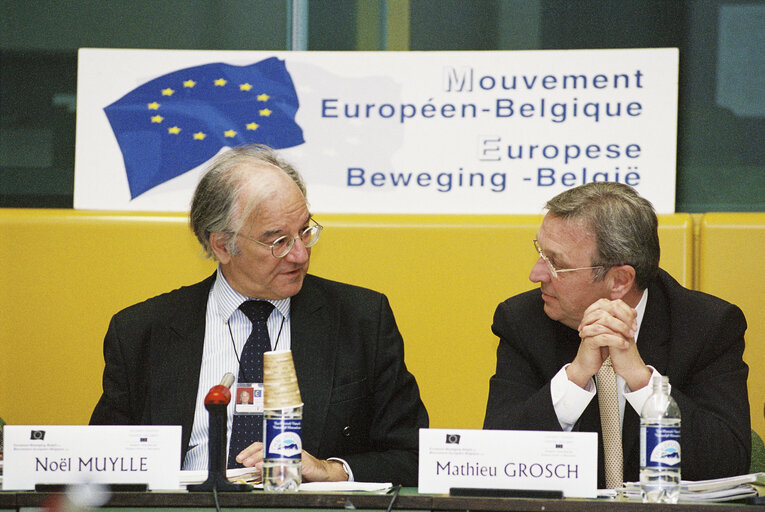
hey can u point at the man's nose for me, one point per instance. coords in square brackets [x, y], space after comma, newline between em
[540, 272]
[298, 253]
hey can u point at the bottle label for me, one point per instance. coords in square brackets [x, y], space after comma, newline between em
[282, 438]
[661, 446]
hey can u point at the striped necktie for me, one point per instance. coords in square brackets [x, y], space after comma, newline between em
[610, 425]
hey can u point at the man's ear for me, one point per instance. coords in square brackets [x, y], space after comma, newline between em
[218, 244]
[621, 280]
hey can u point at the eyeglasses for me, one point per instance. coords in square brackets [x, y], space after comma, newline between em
[282, 246]
[555, 271]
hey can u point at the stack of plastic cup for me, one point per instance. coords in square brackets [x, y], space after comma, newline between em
[280, 381]
[282, 423]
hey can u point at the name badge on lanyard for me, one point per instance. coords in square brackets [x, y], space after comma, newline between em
[249, 398]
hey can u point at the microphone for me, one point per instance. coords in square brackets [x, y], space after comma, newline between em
[216, 403]
[220, 394]
[227, 380]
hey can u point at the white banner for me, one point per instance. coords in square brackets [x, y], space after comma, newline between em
[380, 132]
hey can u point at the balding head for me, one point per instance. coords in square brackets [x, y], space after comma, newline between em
[233, 186]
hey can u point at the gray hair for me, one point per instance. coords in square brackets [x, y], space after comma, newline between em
[624, 224]
[215, 207]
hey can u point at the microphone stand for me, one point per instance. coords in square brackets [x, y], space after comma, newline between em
[216, 403]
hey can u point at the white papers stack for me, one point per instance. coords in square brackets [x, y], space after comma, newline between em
[239, 476]
[252, 476]
[377, 487]
[720, 489]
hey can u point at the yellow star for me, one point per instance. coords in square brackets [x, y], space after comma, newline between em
[157, 119]
[220, 82]
[189, 83]
[199, 136]
[245, 87]
[252, 126]
[263, 97]
[265, 112]
[174, 130]
[153, 105]
[230, 134]
[167, 92]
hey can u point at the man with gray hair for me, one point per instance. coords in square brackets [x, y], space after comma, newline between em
[362, 410]
[604, 305]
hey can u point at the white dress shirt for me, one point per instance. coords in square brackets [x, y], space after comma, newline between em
[220, 356]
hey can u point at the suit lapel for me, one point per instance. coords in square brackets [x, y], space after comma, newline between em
[566, 348]
[314, 354]
[653, 338]
[176, 359]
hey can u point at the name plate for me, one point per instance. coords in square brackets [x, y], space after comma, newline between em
[508, 459]
[76, 454]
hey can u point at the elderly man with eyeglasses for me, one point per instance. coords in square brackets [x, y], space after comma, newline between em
[362, 409]
[603, 301]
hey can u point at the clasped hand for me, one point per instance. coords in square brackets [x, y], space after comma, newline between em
[313, 469]
[608, 328]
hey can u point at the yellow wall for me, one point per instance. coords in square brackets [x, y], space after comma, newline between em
[64, 273]
[731, 249]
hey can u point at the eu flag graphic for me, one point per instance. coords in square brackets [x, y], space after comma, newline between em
[178, 121]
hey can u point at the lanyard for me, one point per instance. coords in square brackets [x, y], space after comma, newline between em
[233, 344]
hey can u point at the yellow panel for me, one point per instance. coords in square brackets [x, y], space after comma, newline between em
[64, 273]
[676, 239]
[397, 38]
[731, 254]
[367, 25]
[444, 276]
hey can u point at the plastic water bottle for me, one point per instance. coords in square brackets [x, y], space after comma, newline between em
[660, 445]
[282, 449]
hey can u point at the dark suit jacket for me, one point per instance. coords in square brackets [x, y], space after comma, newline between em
[693, 338]
[361, 403]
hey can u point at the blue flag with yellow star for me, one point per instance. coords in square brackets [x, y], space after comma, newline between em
[178, 121]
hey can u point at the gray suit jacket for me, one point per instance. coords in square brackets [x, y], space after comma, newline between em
[693, 338]
[361, 403]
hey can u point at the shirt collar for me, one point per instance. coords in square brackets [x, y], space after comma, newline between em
[226, 300]
[640, 308]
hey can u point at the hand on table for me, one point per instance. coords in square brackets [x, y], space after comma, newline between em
[313, 469]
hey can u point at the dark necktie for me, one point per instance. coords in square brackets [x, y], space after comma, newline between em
[248, 428]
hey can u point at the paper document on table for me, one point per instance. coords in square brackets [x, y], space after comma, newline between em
[239, 475]
[718, 489]
[380, 487]
[252, 476]
[723, 483]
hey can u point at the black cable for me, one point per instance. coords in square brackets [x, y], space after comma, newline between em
[215, 497]
[396, 490]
